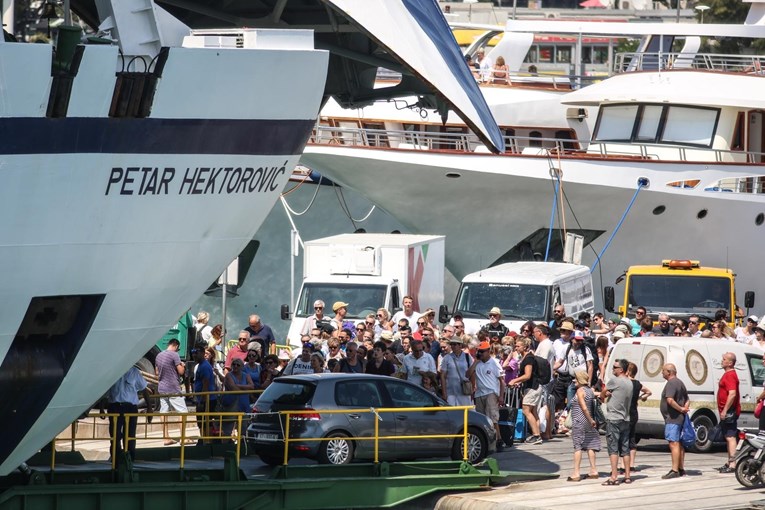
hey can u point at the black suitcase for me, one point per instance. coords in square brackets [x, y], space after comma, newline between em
[507, 417]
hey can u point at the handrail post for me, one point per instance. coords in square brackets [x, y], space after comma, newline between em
[465, 434]
[52, 454]
[377, 437]
[183, 439]
[240, 438]
[113, 419]
[286, 436]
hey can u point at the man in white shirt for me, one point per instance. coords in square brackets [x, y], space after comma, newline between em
[407, 313]
[489, 386]
[417, 362]
[317, 317]
[484, 65]
[545, 350]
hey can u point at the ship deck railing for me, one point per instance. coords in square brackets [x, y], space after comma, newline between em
[468, 143]
[182, 428]
[640, 61]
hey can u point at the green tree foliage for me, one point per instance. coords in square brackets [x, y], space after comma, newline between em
[729, 11]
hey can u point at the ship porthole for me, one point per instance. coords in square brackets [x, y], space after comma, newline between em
[702, 214]
[759, 219]
[453, 175]
[659, 209]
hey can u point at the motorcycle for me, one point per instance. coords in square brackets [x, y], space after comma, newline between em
[750, 454]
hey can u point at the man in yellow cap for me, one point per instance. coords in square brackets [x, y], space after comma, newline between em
[338, 322]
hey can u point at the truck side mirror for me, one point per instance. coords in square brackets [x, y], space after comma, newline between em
[608, 298]
[285, 312]
[749, 299]
[443, 314]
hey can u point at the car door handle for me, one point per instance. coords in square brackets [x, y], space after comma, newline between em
[400, 417]
[354, 416]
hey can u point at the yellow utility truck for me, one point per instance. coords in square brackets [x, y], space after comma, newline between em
[679, 288]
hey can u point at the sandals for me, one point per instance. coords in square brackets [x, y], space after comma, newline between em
[725, 469]
[627, 481]
[593, 475]
[575, 478]
[609, 482]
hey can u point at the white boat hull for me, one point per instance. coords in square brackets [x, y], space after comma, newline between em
[499, 200]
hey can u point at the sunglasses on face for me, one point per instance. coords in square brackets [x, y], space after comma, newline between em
[241, 339]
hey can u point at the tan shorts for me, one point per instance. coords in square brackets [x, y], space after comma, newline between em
[488, 405]
[532, 397]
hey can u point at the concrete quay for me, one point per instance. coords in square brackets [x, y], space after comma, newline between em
[702, 488]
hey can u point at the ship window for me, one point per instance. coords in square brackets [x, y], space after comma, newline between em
[692, 126]
[616, 123]
[563, 54]
[649, 123]
[546, 54]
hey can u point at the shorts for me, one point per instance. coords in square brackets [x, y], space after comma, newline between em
[172, 404]
[618, 437]
[532, 397]
[729, 429]
[672, 432]
[488, 405]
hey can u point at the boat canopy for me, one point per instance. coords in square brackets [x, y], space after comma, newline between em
[411, 37]
[674, 87]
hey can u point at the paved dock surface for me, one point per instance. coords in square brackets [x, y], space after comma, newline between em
[702, 488]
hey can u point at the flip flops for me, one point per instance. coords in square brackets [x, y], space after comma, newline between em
[609, 482]
[627, 481]
[575, 478]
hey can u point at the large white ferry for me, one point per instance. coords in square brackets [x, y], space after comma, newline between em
[135, 167]
[664, 159]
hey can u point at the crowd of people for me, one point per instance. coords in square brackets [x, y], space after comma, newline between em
[558, 368]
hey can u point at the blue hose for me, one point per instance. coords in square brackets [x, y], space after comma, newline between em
[642, 182]
[552, 216]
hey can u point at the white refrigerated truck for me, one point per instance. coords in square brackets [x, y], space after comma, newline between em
[368, 271]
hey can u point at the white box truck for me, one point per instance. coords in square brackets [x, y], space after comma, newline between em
[523, 291]
[369, 271]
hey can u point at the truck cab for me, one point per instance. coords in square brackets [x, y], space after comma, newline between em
[679, 288]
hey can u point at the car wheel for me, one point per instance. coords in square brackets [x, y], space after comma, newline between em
[337, 449]
[271, 461]
[703, 425]
[478, 447]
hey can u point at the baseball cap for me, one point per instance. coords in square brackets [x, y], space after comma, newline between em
[308, 345]
[338, 305]
[484, 346]
[580, 324]
[753, 318]
[618, 335]
[578, 335]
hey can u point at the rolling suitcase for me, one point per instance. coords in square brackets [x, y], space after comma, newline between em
[507, 417]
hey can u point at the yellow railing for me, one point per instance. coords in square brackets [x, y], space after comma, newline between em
[184, 421]
[376, 438]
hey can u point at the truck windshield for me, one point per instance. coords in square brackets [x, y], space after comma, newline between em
[521, 301]
[679, 294]
[361, 299]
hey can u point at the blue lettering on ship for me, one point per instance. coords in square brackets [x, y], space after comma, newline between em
[194, 181]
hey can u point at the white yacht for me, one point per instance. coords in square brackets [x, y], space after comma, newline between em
[671, 164]
[137, 163]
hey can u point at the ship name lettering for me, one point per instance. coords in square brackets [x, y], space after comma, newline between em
[154, 181]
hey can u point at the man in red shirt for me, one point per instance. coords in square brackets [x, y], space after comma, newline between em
[729, 406]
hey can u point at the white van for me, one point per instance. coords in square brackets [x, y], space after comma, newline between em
[698, 366]
[523, 291]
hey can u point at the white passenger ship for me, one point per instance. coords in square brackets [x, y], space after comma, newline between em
[664, 159]
[136, 166]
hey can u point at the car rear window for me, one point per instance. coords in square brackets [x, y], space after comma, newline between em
[288, 393]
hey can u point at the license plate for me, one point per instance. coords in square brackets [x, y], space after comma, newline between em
[739, 445]
[267, 437]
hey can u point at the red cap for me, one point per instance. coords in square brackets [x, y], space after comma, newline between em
[484, 346]
[512, 334]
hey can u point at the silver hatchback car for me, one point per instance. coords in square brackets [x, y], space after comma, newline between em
[318, 392]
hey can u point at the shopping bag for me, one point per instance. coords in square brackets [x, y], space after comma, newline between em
[688, 433]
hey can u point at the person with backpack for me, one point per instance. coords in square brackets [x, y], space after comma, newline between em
[529, 382]
[578, 358]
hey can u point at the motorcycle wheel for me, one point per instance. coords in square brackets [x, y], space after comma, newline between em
[748, 473]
